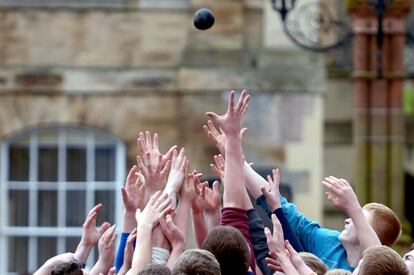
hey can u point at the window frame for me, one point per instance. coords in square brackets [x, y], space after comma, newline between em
[61, 231]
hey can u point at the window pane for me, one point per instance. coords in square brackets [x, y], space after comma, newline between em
[48, 164]
[19, 163]
[18, 208]
[105, 163]
[47, 208]
[76, 164]
[46, 249]
[72, 243]
[18, 247]
[75, 208]
[107, 198]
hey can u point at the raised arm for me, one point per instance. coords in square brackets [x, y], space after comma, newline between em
[273, 201]
[187, 195]
[152, 163]
[106, 247]
[198, 215]
[254, 182]
[90, 235]
[176, 176]
[175, 236]
[132, 196]
[276, 245]
[147, 220]
[342, 196]
[230, 123]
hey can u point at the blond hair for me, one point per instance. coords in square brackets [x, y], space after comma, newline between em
[314, 263]
[338, 272]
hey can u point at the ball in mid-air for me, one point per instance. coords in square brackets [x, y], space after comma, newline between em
[203, 19]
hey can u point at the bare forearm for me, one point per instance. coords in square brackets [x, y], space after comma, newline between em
[100, 267]
[183, 211]
[172, 194]
[82, 252]
[129, 222]
[213, 219]
[254, 182]
[143, 249]
[286, 263]
[366, 234]
[200, 227]
[233, 177]
[175, 253]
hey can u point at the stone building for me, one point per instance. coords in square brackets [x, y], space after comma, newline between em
[80, 79]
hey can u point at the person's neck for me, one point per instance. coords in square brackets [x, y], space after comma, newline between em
[353, 252]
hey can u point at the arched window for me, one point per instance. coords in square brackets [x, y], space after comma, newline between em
[50, 178]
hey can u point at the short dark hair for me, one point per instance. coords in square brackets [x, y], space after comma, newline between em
[155, 269]
[230, 249]
[72, 267]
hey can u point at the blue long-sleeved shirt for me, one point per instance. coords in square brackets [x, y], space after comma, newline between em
[119, 260]
[322, 242]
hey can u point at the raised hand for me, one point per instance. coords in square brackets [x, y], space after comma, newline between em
[211, 198]
[106, 248]
[217, 137]
[152, 159]
[341, 194]
[276, 246]
[218, 166]
[297, 261]
[196, 204]
[90, 235]
[154, 173]
[273, 195]
[134, 190]
[148, 145]
[153, 210]
[177, 173]
[188, 190]
[230, 122]
[275, 241]
[172, 232]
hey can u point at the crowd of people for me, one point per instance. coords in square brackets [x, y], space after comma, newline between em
[160, 195]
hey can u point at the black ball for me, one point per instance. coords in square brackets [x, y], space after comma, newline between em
[203, 19]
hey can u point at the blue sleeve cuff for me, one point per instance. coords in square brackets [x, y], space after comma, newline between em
[119, 261]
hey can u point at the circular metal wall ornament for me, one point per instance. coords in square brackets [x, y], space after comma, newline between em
[312, 26]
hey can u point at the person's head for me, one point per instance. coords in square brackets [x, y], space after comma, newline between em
[314, 263]
[155, 269]
[382, 219]
[338, 272]
[196, 261]
[381, 260]
[230, 249]
[72, 267]
[409, 260]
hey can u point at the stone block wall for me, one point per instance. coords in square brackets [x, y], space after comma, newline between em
[127, 70]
